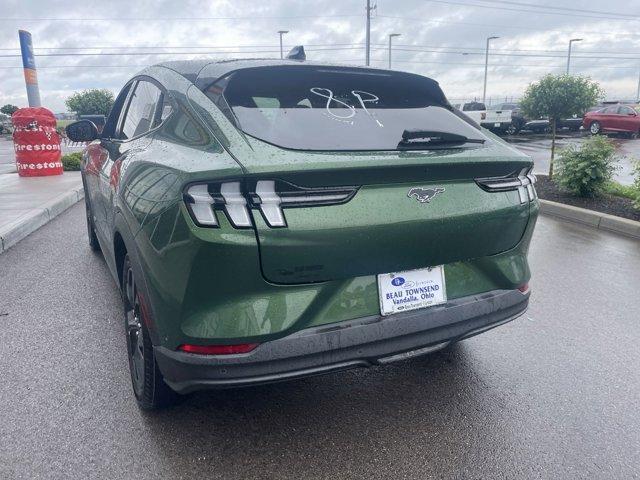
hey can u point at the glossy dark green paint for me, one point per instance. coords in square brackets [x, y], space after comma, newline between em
[225, 285]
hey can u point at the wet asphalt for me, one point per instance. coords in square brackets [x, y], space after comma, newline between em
[554, 394]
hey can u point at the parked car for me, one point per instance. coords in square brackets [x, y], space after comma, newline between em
[493, 119]
[543, 126]
[518, 120]
[268, 220]
[5, 123]
[613, 119]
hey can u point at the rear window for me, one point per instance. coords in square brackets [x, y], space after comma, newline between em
[474, 107]
[334, 108]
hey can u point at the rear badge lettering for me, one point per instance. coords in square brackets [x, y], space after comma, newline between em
[424, 195]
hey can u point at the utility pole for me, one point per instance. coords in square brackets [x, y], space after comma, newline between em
[282, 32]
[368, 33]
[569, 53]
[391, 35]
[486, 66]
[638, 91]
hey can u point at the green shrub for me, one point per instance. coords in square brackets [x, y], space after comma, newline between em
[624, 191]
[632, 192]
[586, 170]
[636, 186]
[71, 161]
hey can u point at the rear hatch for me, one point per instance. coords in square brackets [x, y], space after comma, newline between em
[388, 179]
[498, 116]
[408, 212]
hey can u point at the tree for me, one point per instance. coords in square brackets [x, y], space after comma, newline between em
[90, 102]
[558, 97]
[8, 109]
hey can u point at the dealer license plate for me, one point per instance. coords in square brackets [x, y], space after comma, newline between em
[403, 291]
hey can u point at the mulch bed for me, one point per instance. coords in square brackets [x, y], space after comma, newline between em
[622, 207]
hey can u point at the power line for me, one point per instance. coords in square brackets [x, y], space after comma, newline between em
[319, 49]
[531, 55]
[403, 48]
[509, 65]
[155, 47]
[271, 48]
[496, 25]
[122, 54]
[475, 5]
[554, 7]
[166, 19]
[481, 49]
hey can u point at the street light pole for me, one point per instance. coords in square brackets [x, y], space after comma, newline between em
[391, 35]
[282, 32]
[486, 66]
[368, 33]
[569, 52]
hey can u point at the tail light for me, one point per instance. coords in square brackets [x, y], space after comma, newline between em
[523, 182]
[237, 199]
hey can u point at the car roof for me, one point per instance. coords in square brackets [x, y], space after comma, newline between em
[206, 71]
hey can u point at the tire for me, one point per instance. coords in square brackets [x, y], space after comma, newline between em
[512, 129]
[148, 384]
[542, 130]
[91, 228]
[633, 135]
[595, 128]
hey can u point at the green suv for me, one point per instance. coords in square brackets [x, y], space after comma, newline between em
[272, 219]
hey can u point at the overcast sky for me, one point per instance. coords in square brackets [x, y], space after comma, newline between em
[441, 39]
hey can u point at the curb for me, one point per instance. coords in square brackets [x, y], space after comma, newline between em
[601, 221]
[15, 231]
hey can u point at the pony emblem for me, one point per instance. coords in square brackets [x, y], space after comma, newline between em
[424, 195]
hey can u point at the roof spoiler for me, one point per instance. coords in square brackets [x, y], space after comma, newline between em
[297, 53]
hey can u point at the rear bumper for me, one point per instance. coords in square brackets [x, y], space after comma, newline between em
[354, 343]
[495, 125]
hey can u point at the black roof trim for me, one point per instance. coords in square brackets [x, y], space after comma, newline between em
[204, 72]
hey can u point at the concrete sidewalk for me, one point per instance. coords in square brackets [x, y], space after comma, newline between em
[27, 203]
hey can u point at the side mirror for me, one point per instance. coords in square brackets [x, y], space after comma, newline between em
[82, 131]
[632, 114]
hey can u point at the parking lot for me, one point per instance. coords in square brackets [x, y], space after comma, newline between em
[554, 394]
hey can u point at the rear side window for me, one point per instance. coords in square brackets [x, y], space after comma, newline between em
[334, 108]
[474, 107]
[140, 116]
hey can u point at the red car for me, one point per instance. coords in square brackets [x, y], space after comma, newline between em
[614, 118]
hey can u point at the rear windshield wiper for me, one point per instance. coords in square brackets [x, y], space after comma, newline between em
[432, 139]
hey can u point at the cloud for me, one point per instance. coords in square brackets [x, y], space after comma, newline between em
[445, 42]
